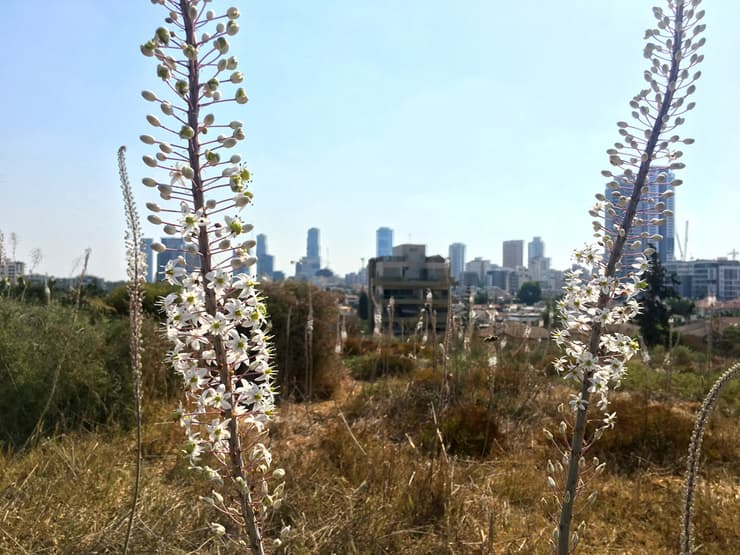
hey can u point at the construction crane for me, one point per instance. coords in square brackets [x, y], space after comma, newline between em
[684, 247]
[733, 253]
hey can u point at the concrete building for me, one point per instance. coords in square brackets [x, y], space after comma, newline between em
[480, 267]
[12, 269]
[384, 242]
[407, 277]
[512, 253]
[648, 219]
[706, 278]
[457, 261]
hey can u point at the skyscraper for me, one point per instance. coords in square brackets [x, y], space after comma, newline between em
[650, 220]
[535, 249]
[175, 247]
[312, 244]
[513, 252]
[307, 266]
[383, 242]
[151, 256]
[457, 261]
[265, 262]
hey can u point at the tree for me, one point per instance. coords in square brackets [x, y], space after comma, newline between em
[530, 292]
[656, 301]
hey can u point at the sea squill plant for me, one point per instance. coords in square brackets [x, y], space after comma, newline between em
[594, 356]
[136, 273]
[216, 321]
[692, 464]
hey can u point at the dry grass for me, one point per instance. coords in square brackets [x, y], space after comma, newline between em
[367, 475]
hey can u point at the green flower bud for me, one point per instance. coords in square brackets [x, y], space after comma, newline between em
[209, 119]
[232, 28]
[222, 45]
[181, 87]
[190, 52]
[148, 48]
[163, 72]
[232, 13]
[186, 132]
[187, 172]
[237, 77]
[163, 35]
[232, 63]
[241, 96]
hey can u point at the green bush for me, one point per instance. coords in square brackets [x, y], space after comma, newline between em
[303, 372]
[59, 374]
[374, 365]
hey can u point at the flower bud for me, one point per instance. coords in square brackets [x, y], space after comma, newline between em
[166, 108]
[165, 147]
[232, 28]
[163, 35]
[156, 220]
[190, 51]
[221, 44]
[237, 77]
[235, 159]
[220, 28]
[232, 13]
[232, 63]
[148, 48]
[210, 14]
[149, 182]
[187, 172]
[181, 87]
[170, 229]
[158, 247]
[210, 204]
[209, 119]
[222, 64]
[186, 132]
[153, 120]
[149, 161]
[148, 95]
[146, 139]
[154, 207]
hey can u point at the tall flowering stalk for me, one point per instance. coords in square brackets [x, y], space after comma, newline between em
[216, 322]
[594, 357]
[136, 272]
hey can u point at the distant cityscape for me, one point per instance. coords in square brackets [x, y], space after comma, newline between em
[407, 271]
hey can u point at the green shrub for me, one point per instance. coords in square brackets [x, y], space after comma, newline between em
[469, 430]
[303, 372]
[59, 374]
[375, 365]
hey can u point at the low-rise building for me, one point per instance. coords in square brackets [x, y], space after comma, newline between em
[408, 277]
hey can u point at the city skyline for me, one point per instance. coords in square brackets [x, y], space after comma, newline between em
[465, 144]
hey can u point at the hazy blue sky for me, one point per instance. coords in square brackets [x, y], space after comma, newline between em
[470, 121]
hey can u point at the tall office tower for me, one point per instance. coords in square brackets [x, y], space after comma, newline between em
[175, 247]
[513, 253]
[146, 247]
[383, 242]
[650, 220]
[265, 262]
[457, 261]
[312, 244]
[535, 249]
